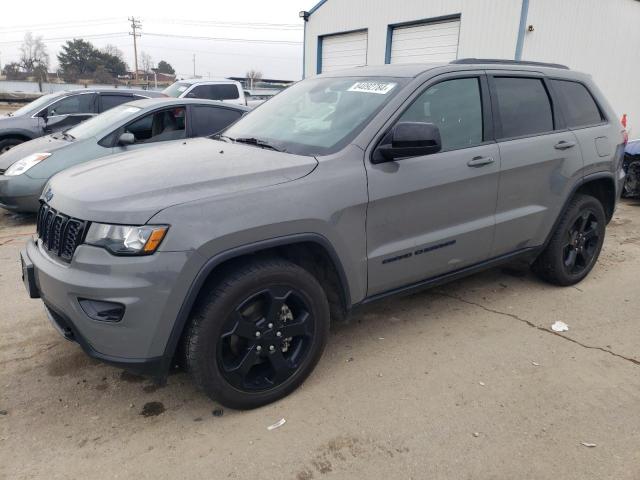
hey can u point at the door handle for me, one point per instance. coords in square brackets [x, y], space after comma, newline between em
[480, 161]
[563, 145]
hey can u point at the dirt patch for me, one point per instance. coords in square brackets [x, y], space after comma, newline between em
[152, 409]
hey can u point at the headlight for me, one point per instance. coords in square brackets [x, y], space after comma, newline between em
[25, 164]
[125, 239]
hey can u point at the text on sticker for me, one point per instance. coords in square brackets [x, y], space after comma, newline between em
[381, 88]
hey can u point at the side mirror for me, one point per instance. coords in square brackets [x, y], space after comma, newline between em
[126, 138]
[44, 114]
[408, 139]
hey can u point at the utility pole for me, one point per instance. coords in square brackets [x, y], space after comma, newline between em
[194, 65]
[135, 25]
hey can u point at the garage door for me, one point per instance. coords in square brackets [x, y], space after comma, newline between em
[426, 42]
[344, 51]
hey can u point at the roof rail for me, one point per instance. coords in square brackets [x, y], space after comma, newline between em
[468, 61]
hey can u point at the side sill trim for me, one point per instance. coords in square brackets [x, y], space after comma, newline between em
[450, 276]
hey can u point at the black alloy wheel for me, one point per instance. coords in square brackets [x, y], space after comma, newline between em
[583, 238]
[257, 332]
[265, 339]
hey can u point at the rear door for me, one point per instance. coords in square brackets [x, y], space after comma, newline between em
[206, 120]
[586, 119]
[434, 214]
[540, 159]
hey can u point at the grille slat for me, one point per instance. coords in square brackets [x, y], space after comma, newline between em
[59, 233]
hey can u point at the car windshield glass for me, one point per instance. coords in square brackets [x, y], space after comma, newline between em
[176, 89]
[36, 104]
[99, 123]
[317, 116]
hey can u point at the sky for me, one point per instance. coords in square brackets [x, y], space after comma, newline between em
[233, 36]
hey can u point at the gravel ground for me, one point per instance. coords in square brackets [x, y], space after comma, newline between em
[466, 381]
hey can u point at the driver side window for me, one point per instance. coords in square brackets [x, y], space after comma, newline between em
[455, 107]
[160, 126]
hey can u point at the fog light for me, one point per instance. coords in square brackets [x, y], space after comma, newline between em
[102, 311]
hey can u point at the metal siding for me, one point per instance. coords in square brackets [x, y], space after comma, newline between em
[437, 42]
[597, 37]
[344, 51]
[487, 28]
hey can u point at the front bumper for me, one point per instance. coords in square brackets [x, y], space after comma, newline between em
[21, 193]
[148, 287]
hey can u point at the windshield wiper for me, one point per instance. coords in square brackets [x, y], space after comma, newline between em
[257, 142]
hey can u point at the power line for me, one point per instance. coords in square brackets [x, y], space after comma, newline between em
[53, 39]
[225, 39]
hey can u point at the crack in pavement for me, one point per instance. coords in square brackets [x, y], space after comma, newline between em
[538, 327]
[29, 357]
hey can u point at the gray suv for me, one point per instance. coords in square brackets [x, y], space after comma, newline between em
[232, 255]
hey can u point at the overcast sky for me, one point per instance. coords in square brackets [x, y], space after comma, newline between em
[274, 27]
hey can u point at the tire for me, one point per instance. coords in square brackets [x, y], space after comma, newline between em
[8, 143]
[575, 244]
[243, 369]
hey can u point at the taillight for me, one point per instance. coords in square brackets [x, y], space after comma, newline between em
[625, 133]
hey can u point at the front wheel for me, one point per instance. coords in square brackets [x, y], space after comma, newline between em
[575, 244]
[258, 334]
[7, 144]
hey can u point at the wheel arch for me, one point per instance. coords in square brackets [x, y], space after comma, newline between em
[303, 249]
[603, 187]
[599, 185]
[18, 134]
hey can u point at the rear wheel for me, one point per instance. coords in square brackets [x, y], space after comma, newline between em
[258, 334]
[8, 143]
[576, 243]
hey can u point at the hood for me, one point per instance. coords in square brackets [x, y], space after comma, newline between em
[129, 188]
[38, 145]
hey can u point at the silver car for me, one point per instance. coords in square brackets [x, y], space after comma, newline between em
[26, 168]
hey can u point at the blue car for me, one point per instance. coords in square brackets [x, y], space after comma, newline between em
[631, 166]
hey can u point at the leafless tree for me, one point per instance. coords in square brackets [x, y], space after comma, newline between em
[33, 56]
[146, 62]
[253, 76]
[114, 51]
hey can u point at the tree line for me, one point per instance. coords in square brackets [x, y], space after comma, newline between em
[78, 60]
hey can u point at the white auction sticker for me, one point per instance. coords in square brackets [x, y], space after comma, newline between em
[369, 86]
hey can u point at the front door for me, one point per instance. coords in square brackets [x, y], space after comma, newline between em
[69, 112]
[434, 214]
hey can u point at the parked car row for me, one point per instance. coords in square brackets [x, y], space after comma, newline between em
[231, 254]
[26, 168]
[60, 111]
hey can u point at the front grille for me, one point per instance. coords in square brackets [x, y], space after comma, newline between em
[59, 233]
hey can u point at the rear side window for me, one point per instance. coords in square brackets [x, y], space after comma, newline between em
[455, 107]
[223, 91]
[110, 101]
[523, 105]
[578, 105]
[206, 121]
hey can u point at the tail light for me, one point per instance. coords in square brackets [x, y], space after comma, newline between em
[625, 132]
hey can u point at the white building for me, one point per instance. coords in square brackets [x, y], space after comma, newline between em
[600, 37]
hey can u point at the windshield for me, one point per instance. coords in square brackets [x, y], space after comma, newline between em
[317, 116]
[99, 123]
[36, 104]
[176, 89]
